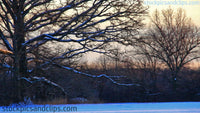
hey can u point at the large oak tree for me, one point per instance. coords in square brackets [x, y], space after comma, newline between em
[25, 25]
[173, 39]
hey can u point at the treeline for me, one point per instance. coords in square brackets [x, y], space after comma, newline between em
[153, 86]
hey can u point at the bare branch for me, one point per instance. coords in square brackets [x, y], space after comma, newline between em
[98, 76]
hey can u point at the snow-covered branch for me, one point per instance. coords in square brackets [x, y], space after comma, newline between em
[35, 79]
[97, 76]
[5, 65]
[94, 13]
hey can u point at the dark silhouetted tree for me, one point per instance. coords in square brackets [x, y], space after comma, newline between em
[85, 24]
[173, 39]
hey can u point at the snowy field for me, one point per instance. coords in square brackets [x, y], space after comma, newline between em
[170, 107]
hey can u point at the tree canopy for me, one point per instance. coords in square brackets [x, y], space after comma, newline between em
[79, 26]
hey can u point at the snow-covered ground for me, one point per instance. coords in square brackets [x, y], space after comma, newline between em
[168, 107]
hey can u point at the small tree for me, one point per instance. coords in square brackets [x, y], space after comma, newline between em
[104, 62]
[115, 52]
[149, 65]
[173, 39]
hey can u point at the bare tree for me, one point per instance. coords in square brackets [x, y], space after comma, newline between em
[87, 24]
[115, 52]
[149, 65]
[104, 62]
[173, 39]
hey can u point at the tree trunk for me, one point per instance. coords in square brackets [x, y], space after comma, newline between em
[20, 63]
[174, 79]
[174, 83]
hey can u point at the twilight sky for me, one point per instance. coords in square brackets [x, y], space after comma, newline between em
[192, 7]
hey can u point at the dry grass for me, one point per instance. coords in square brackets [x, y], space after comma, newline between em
[52, 102]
